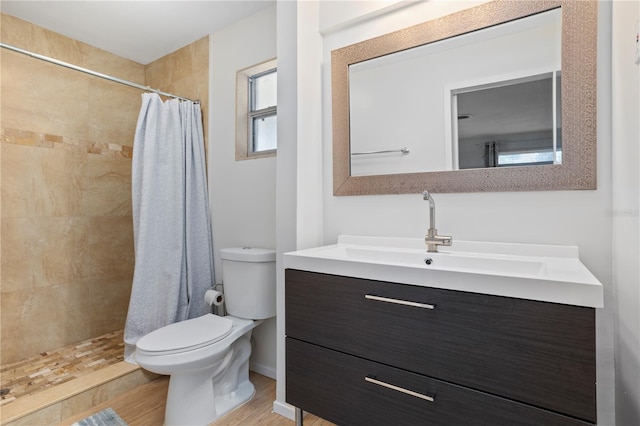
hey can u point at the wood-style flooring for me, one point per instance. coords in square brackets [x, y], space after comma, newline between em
[144, 406]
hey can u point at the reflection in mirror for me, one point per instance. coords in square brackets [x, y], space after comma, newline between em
[405, 99]
[506, 124]
[422, 127]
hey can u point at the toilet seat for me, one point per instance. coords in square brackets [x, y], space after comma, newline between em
[185, 336]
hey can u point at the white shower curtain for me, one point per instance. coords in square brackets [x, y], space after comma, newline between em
[171, 225]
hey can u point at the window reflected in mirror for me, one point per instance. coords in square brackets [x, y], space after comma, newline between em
[508, 123]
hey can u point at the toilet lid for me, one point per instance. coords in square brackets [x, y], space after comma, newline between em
[186, 335]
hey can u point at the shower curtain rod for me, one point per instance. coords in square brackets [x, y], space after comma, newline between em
[90, 72]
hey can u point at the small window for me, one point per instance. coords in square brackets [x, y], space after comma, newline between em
[529, 158]
[256, 111]
[263, 90]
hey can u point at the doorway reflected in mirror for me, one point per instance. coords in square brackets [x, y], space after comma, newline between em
[508, 123]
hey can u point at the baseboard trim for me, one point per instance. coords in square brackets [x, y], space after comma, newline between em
[265, 370]
[284, 409]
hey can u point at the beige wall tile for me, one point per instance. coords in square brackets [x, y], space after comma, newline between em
[47, 98]
[105, 392]
[51, 187]
[188, 66]
[15, 32]
[19, 248]
[113, 112]
[43, 251]
[43, 97]
[47, 416]
[183, 62]
[184, 72]
[202, 54]
[56, 45]
[21, 176]
[157, 73]
[128, 382]
[110, 254]
[83, 401]
[64, 245]
[106, 186]
[109, 301]
[194, 87]
[42, 319]
[108, 63]
[67, 252]
[25, 35]
[41, 181]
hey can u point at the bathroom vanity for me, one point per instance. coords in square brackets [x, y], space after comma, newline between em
[375, 335]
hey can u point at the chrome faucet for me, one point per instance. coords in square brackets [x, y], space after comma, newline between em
[432, 239]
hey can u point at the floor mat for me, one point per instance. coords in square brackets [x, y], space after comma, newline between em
[106, 417]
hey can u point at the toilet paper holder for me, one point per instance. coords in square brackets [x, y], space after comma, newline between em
[215, 298]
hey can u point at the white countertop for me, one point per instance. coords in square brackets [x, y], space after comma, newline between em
[548, 273]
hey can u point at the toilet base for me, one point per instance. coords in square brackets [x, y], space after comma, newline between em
[197, 407]
[199, 397]
[207, 382]
[227, 403]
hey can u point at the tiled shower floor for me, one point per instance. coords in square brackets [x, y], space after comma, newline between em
[51, 368]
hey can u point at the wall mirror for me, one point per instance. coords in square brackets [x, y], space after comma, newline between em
[500, 97]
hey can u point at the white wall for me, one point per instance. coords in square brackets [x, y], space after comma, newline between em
[299, 178]
[242, 193]
[286, 200]
[558, 217]
[626, 210]
[581, 218]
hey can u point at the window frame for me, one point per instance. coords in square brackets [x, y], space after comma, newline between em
[245, 116]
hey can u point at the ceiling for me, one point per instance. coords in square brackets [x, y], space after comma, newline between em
[142, 31]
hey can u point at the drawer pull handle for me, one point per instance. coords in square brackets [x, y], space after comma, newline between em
[399, 302]
[399, 389]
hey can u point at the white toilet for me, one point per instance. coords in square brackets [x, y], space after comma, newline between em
[208, 357]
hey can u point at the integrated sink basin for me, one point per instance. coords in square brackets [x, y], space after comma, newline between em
[447, 260]
[547, 273]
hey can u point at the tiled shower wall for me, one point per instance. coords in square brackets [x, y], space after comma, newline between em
[67, 238]
[184, 72]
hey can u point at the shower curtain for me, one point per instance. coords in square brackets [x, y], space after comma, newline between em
[171, 222]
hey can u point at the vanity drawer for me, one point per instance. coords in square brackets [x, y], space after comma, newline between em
[348, 390]
[533, 352]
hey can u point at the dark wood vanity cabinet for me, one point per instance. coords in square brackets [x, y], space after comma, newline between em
[358, 353]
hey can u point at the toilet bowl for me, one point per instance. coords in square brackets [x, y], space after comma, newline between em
[207, 357]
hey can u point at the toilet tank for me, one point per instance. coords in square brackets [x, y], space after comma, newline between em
[249, 279]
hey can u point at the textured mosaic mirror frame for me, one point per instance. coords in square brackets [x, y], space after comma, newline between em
[578, 170]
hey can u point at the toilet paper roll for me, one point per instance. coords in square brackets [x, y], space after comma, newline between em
[213, 298]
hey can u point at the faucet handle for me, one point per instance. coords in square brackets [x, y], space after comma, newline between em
[446, 239]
